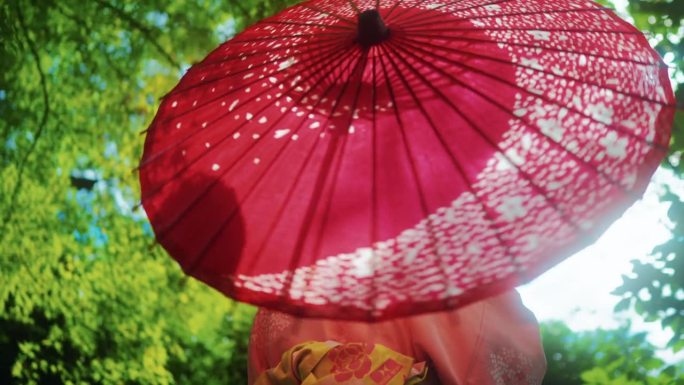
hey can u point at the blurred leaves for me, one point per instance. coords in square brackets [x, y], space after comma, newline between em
[604, 357]
[84, 298]
[656, 288]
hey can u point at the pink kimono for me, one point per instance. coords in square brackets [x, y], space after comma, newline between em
[492, 342]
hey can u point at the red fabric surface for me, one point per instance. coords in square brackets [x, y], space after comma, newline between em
[481, 143]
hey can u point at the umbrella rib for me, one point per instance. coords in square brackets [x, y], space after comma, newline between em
[579, 230]
[414, 172]
[481, 133]
[161, 232]
[354, 6]
[454, 160]
[527, 124]
[321, 11]
[517, 64]
[313, 47]
[245, 43]
[271, 50]
[201, 255]
[532, 46]
[291, 189]
[614, 127]
[319, 185]
[293, 36]
[521, 29]
[328, 61]
[388, 15]
[430, 13]
[374, 213]
[417, 21]
[257, 79]
[174, 145]
[364, 61]
[196, 132]
[339, 161]
[307, 24]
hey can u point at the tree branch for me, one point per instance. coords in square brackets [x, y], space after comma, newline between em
[41, 126]
[85, 25]
[144, 30]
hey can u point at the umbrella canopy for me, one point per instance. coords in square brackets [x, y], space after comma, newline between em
[370, 159]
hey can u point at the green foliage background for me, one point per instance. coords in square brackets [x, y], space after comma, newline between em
[86, 297]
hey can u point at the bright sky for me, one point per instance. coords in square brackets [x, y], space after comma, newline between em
[577, 291]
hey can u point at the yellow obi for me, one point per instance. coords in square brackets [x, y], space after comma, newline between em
[332, 363]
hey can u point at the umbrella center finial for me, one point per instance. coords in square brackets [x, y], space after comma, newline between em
[371, 29]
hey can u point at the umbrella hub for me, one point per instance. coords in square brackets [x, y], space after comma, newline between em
[371, 28]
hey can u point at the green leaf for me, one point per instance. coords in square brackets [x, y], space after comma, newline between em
[595, 376]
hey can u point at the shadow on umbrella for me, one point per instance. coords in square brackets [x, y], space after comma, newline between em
[201, 210]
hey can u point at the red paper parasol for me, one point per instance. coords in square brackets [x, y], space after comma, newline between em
[369, 159]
